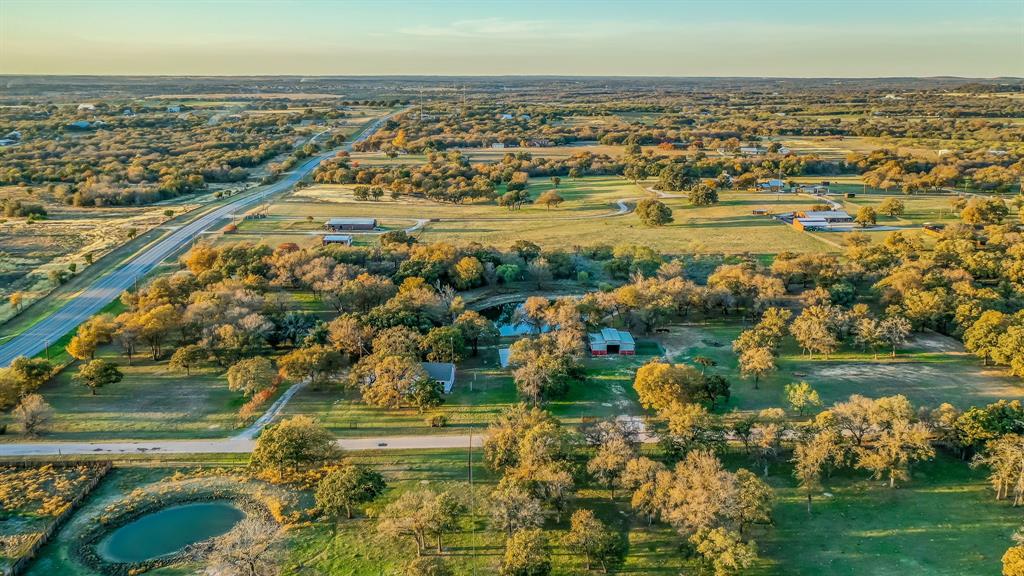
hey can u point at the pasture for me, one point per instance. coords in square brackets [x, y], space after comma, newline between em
[590, 215]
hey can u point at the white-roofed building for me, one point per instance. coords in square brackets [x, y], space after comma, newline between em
[338, 224]
[611, 341]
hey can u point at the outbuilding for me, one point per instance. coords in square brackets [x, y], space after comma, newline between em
[337, 239]
[611, 341]
[441, 372]
[339, 224]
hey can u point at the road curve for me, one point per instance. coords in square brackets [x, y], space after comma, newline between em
[110, 286]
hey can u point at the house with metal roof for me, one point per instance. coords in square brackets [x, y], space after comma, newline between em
[441, 372]
[339, 224]
[611, 341]
[337, 239]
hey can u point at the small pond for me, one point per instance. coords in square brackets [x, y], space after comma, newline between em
[505, 318]
[168, 531]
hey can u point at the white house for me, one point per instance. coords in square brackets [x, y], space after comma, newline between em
[441, 372]
[173, 109]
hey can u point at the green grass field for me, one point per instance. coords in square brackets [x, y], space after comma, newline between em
[932, 369]
[482, 390]
[150, 402]
[590, 215]
[856, 527]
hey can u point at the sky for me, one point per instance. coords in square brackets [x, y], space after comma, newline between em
[810, 38]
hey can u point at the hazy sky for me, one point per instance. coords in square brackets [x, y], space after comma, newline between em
[672, 38]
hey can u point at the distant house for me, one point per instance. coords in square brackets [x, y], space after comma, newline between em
[441, 372]
[340, 224]
[86, 107]
[611, 341]
[498, 146]
[337, 239]
[505, 116]
[784, 150]
[128, 112]
[813, 189]
[752, 150]
[771, 185]
[820, 219]
[80, 125]
[173, 109]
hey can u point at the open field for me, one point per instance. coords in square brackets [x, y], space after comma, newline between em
[30, 250]
[481, 392]
[591, 207]
[931, 370]
[150, 402]
[862, 528]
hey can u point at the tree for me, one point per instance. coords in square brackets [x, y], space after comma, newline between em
[295, 443]
[690, 427]
[33, 413]
[898, 446]
[724, 550]
[589, 537]
[609, 462]
[550, 198]
[703, 195]
[866, 216]
[252, 548]
[467, 272]
[187, 357]
[252, 375]
[98, 373]
[476, 329]
[982, 337]
[31, 373]
[81, 347]
[513, 509]
[659, 385]
[526, 554]
[16, 300]
[313, 363]
[812, 330]
[391, 380]
[442, 516]
[809, 458]
[653, 212]
[1013, 559]
[801, 397]
[757, 362]
[892, 207]
[421, 513]
[894, 331]
[444, 344]
[346, 486]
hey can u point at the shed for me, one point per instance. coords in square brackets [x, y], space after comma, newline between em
[611, 341]
[338, 224]
[337, 239]
[442, 373]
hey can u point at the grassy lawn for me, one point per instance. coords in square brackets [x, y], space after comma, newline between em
[481, 391]
[150, 402]
[943, 522]
[588, 216]
[932, 369]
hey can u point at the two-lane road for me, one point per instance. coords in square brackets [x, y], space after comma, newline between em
[106, 288]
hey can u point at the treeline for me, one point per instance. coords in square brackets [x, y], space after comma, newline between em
[450, 177]
[142, 159]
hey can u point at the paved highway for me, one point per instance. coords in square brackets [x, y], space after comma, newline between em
[106, 288]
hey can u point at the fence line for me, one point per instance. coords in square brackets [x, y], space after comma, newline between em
[25, 559]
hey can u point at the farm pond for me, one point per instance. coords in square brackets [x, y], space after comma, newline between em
[169, 530]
